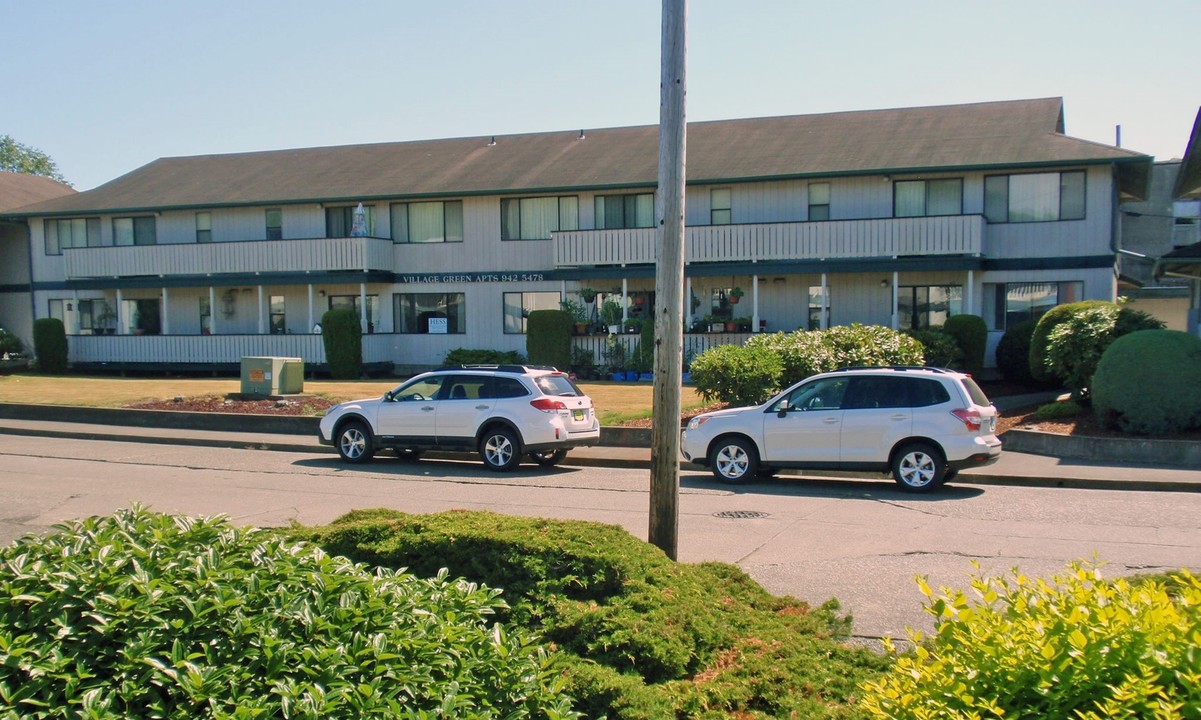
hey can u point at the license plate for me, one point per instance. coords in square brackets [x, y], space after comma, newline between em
[578, 414]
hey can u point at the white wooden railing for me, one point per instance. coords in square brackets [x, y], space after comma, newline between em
[694, 343]
[212, 349]
[321, 254]
[888, 237]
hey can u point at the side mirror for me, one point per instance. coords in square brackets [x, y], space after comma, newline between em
[782, 408]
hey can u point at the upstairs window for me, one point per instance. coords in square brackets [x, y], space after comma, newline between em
[536, 218]
[339, 221]
[819, 201]
[204, 227]
[71, 233]
[134, 231]
[625, 211]
[719, 206]
[275, 224]
[918, 198]
[427, 222]
[1036, 197]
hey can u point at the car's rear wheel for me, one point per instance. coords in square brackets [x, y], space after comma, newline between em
[918, 468]
[355, 443]
[500, 449]
[733, 460]
[548, 458]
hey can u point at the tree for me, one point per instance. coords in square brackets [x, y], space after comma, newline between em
[19, 158]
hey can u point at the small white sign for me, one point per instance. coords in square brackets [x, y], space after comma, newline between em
[437, 326]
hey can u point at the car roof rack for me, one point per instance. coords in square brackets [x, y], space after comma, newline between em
[509, 368]
[931, 368]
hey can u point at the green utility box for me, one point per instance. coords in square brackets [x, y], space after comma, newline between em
[272, 375]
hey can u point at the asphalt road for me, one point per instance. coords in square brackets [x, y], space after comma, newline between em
[860, 541]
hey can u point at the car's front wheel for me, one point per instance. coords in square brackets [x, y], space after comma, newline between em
[500, 450]
[548, 458]
[733, 460]
[918, 468]
[355, 443]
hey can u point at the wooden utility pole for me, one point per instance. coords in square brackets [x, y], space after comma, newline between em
[669, 283]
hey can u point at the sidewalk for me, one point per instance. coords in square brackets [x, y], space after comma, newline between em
[1014, 468]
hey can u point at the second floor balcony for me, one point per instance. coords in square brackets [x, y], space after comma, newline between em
[319, 254]
[836, 239]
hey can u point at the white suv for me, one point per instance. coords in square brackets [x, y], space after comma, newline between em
[922, 424]
[501, 411]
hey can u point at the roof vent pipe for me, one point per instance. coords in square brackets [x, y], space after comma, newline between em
[1117, 132]
[581, 137]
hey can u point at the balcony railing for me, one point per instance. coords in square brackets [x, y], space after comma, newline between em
[321, 254]
[214, 349]
[888, 237]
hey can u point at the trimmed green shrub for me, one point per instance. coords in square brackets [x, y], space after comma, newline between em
[971, 334]
[1075, 346]
[148, 615]
[804, 353]
[1057, 410]
[1013, 352]
[939, 349]
[342, 334]
[50, 345]
[1042, 332]
[1149, 382]
[10, 343]
[639, 636]
[1079, 647]
[466, 356]
[548, 338]
[801, 353]
[736, 374]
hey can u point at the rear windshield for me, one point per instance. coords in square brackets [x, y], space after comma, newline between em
[557, 384]
[974, 392]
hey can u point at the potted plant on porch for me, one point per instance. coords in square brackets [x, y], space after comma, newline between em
[610, 312]
[578, 313]
[735, 295]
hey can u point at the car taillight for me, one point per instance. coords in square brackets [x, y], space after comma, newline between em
[971, 418]
[548, 405]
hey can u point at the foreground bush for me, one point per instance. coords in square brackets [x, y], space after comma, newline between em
[50, 345]
[1149, 382]
[639, 635]
[1079, 647]
[1042, 333]
[548, 338]
[1075, 346]
[1013, 352]
[939, 349]
[736, 374]
[804, 353]
[146, 615]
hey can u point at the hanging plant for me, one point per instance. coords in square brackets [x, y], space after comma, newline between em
[735, 295]
[588, 295]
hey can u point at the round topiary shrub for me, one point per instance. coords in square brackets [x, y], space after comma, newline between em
[342, 333]
[146, 615]
[736, 374]
[1042, 333]
[971, 334]
[1149, 382]
[1013, 352]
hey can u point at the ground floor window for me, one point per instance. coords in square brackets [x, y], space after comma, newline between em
[1006, 304]
[818, 303]
[433, 313]
[352, 302]
[924, 306]
[206, 316]
[518, 306]
[279, 324]
[144, 316]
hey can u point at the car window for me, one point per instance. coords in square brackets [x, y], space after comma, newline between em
[419, 389]
[926, 392]
[465, 387]
[505, 387]
[557, 385]
[824, 394]
[974, 392]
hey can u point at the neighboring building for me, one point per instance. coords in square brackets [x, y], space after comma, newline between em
[1151, 228]
[16, 306]
[1184, 262]
[895, 217]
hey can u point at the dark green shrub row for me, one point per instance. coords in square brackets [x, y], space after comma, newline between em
[1078, 647]
[1149, 382]
[146, 615]
[468, 356]
[548, 338]
[639, 635]
[50, 345]
[1013, 352]
[10, 343]
[342, 334]
[971, 335]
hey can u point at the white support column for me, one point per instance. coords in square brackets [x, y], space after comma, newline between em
[262, 315]
[312, 322]
[212, 310]
[754, 303]
[625, 302]
[363, 306]
[165, 324]
[896, 318]
[969, 305]
[76, 315]
[688, 304]
[121, 327]
[824, 321]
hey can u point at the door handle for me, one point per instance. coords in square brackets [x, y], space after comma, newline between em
[481, 407]
[426, 408]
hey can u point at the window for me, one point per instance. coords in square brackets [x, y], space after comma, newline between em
[278, 324]
[536, 218]
[427, 222]
[145, 315]
[434, 313]
[625, 211]
[134, 231]
[352, 302]
[1010, 303]
[71, 233]
[339, 221]
[925, 306]
[275, 224]
[819, 201]
[917, 198]
[817, 303]
[719, 206]
[1039, 197]
[204, 227]
[518, 306]
[57, 310]
[206, 316]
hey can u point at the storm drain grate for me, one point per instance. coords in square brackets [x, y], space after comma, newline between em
[740, 514]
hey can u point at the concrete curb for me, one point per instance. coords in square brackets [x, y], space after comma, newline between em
[1138, 451]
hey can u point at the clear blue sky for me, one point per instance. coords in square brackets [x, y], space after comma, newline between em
[106, 87]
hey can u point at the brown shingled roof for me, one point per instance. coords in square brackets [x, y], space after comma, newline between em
[17, 190]
[997, 134]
